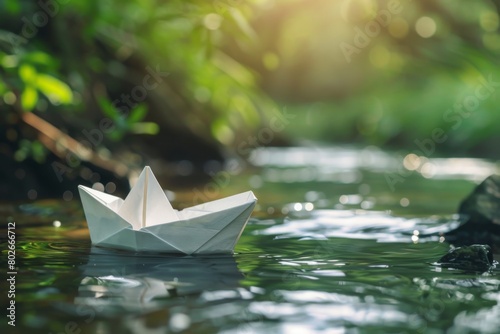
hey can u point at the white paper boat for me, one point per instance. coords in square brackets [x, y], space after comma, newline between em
[146, 221]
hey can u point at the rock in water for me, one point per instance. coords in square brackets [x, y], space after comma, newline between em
[474, 258]
[483, 205]
[481, 210]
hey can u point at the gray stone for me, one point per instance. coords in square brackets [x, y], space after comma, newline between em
[481, 214]
[474, 258]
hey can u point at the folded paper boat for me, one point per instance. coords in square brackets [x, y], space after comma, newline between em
[146, 221]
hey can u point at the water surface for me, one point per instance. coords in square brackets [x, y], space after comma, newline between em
[335, 245]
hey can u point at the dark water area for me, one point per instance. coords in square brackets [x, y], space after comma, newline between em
[342, 241]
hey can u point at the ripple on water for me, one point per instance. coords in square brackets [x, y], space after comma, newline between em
[44, 249]
[361, 224]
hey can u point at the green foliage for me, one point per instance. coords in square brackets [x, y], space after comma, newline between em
[413, 111]
[218, 53]
[400, 87]
[33, 149]
[22, 73]
[131, 123]
[91, 53]
[185, 38]
[12, 6]
[55, 90]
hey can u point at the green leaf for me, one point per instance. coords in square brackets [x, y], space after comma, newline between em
[12, 6]
[115, 135]
[137, 114]
[145, 128]
[28, 74]
[221, 131]
[23, 151]
[38, 151]
[39, 57]
[55, 90]
[29, 98]
[108, 109]
[242, 23]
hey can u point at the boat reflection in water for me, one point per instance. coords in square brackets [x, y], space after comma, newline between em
[122, 281]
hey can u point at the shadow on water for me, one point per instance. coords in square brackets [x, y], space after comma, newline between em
[330, 248]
